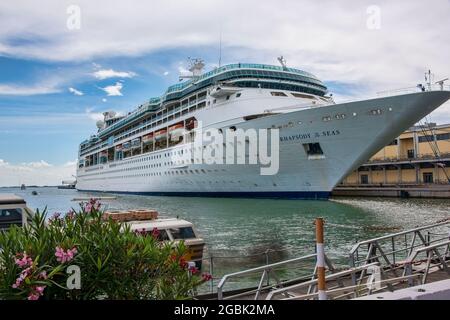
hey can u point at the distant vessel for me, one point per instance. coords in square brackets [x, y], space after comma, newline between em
[23, 187]
[67, 185]
[320, 141]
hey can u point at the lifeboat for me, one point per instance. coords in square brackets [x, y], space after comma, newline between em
[119, 147]
[147, 138]
[126, 146]
[136, 143]
[176, 130]
[161, 134]
[223, 90]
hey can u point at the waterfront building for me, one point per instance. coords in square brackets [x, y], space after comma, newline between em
[420, 155]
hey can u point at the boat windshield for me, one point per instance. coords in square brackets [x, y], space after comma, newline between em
[9, 217]
[182, 233]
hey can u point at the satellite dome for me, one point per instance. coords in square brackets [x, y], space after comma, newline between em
[100, 124]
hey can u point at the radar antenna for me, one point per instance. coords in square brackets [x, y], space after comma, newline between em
[441, 83]
[196, 66]
[282, 61]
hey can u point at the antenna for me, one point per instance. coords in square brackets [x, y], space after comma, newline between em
[441, 83]
[428, 80]
[220, 47]
[282, 61]
[196, 66]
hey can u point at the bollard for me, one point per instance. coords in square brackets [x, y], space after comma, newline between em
[321, 286]
[211, 270]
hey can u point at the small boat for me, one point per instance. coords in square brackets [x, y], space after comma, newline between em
[174, 230]
[23, 187]
[13, 211]
[67, 185]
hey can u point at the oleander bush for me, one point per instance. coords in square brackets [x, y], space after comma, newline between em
[41, 260]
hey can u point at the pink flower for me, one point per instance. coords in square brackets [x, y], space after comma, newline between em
[93, 204]
[23, 260]
[70, 215]
[206, 277]
[155, 233]
[40, 290]
[65, 256]
[43, 275]
[182, 262]
[88, 208]
[194, 270]
[36, 292]
[33, 296]
[23, 275]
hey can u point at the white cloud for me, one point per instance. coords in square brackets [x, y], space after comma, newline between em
[96, 116]
[35, 173]
[76, 92]
[166, 73]
[114, 90]
[110, 73]
[17, 90]
[327, 38]
[104, 100]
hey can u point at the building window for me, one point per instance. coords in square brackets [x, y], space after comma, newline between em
[427, 138]
[443, 136]
[410, 153]
[393, 143]
[364, 179]
[428, 177]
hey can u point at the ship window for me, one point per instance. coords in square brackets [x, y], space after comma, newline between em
[313, 149]
[278, 94]
[238, 95]
[375, 112]
[182, 233]
[299, 95]
[326, 118]
[228, 97]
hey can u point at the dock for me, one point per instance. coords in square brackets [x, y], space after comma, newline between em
[394, 191]
[404, 263]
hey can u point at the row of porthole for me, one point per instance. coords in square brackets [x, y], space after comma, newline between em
[197, 171]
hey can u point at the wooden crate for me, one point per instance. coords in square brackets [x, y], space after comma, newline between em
[131, 215]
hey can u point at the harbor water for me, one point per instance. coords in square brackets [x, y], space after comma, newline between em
[243, 233]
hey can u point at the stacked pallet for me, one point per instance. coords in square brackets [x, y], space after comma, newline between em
[131, 215]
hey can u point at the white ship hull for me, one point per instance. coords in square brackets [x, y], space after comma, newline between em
[346, 144]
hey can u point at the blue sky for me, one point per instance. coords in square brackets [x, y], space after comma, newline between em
[55, 81]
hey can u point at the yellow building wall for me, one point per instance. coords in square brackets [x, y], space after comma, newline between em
[391, 152]
[426, 150]
[408, 176]
[405, 145]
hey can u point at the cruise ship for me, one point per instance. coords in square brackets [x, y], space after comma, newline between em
[151, 150]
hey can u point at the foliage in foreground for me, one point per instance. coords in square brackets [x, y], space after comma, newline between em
[37, 261]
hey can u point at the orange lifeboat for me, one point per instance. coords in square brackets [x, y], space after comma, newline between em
[160, 134]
